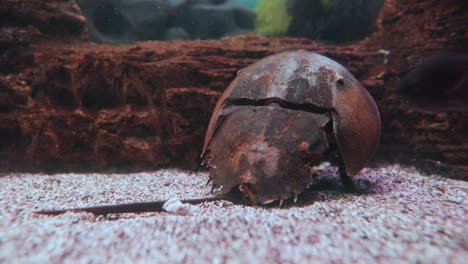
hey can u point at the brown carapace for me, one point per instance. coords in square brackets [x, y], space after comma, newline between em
[276, 120]
[282, 116]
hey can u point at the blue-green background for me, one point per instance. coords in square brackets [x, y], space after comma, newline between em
[251, 4]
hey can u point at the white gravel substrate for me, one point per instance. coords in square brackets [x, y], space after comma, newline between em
[409, 218]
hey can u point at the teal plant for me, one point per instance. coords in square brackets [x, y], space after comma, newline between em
[272, 18]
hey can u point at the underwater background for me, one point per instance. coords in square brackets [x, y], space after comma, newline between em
[128, 21]
[146, 104]
[92, 114]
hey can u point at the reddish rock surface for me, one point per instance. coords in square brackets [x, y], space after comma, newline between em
[67, 104]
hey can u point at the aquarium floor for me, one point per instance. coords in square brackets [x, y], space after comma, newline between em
[408, 217]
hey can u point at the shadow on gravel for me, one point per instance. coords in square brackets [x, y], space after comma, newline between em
[328, 186]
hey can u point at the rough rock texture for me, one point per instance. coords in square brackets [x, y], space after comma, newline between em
[25, 22]
[66, 104]
[411, 30]
[409, 219]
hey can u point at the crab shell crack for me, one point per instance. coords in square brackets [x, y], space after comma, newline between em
[280, 117]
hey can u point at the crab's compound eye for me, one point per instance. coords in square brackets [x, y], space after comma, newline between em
[340, 82]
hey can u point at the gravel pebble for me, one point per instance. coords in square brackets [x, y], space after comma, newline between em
[175, 206]
[407, 218]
